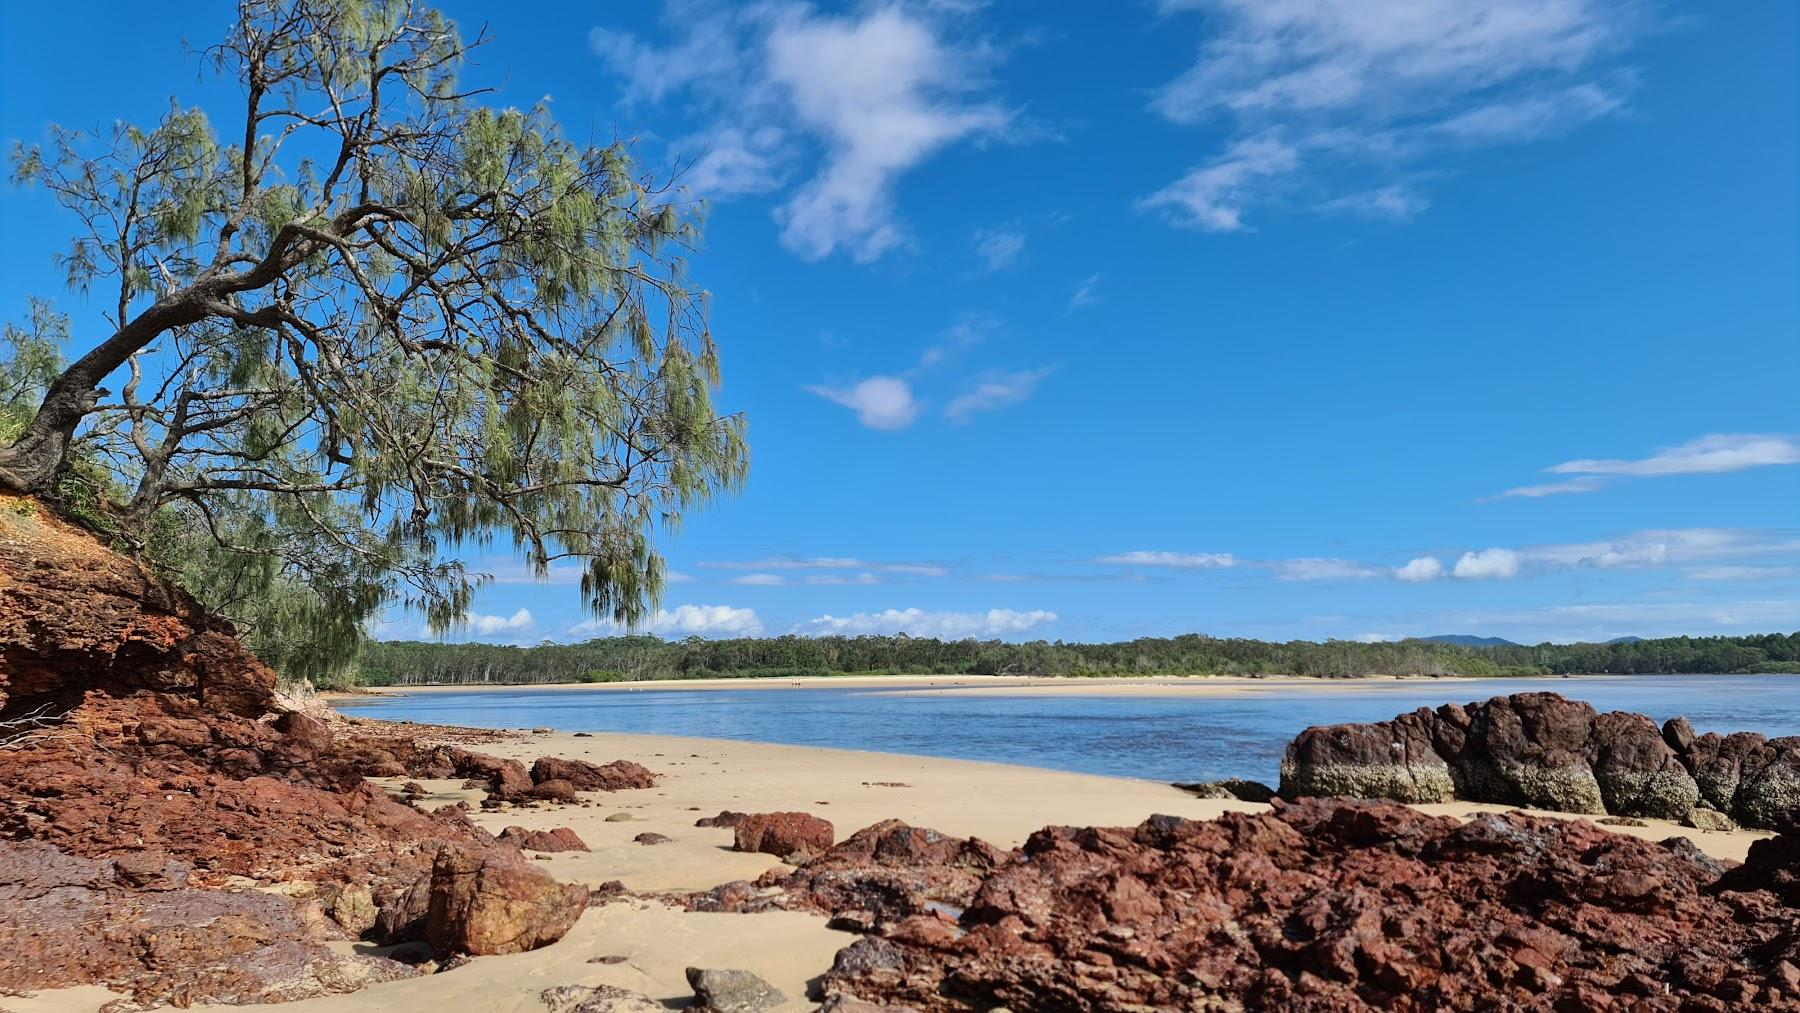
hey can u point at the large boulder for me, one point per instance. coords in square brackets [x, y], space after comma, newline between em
[487, 901]
[788, 836]
[618, 775]
[559, 839]
[1395, 759]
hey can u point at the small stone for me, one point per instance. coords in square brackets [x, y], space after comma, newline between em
[733, 991]
[650, 838]
[597, 999]
[620, 818]
[1621, 821]
[1708, 819]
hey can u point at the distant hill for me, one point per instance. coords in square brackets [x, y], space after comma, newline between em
[1465, 640]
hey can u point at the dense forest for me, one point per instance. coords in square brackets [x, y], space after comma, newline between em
[623, 659]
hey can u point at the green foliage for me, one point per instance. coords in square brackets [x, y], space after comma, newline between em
[617, 659]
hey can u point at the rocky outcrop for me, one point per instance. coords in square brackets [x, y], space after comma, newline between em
[881, 875]
[788, 836]
[619, 775]
[1337, 905]
[75, 617]
[1542, 751]
[135, 923]
[173, 833]
[487, 901]
[1773, 865]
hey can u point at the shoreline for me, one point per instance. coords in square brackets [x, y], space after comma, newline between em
[1152, 685]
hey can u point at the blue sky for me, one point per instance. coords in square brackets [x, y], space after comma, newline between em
[1274, 319]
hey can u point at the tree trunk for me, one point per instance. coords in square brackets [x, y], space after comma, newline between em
[33, 461]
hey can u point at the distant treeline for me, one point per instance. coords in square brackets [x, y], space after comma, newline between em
[625, 659]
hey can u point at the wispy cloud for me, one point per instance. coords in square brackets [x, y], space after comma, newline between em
[923, 623]
[1314, 568]
[909, 568]
[1087, 293]
[999, 249]
[879, 92]
[1576, 485]
[760, 580]
[994, 390]
[1178, 560]
[1321, 92]
[1708, 455]
[1741, 572]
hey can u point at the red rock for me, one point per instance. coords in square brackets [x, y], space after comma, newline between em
[144, 931]
[166, 776]
[1331, 906]
[553, 791]
[618, 775]
[490, 902]
[559, 839]
[76, 617]
[786, 835]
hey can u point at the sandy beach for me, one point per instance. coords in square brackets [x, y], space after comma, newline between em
[699, 777]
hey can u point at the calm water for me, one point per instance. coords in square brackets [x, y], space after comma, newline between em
[1172, 738]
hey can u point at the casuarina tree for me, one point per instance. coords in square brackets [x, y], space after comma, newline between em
[363, 323]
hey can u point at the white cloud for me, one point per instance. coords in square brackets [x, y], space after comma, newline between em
[1396, 202]
[1577, 485]
[684, 620]
[999, 248]
[863, 97]
[1376, 638]
[1213, 197]
[1087, 293]
[493, 626]
[921, 623]
[1421, 569]
[1361, 90]
[1179, 560]
[995, 390]
[880, 402]
[760, 580]
[1712, 454]
[1488, 564]
[1315, 568]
